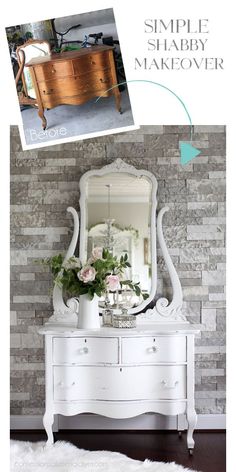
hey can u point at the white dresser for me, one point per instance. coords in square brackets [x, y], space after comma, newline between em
[120, 373]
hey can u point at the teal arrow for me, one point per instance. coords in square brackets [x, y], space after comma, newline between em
[187, 152]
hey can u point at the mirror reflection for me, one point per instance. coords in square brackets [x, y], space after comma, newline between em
[118, 217]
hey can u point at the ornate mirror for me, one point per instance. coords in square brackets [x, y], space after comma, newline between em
[118, 212]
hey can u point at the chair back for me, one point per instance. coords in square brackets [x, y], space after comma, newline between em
[31, 49]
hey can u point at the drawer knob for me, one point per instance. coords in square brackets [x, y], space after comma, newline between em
[84, 350]
[60, 384]
[165, 384]
[93, 63]
[152, 349]
[104, 81]
[73, 384]
[48, 93]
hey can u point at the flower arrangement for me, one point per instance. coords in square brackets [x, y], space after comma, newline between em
[102, 273]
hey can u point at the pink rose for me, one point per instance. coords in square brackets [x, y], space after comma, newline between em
[97, 253]
[87, 274]
[113, 282]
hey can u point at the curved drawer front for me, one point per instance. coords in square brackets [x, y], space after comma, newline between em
[85, 350]
[115, 383]
[53, 70]
[72, 86]
[151, 350]
[91, 62]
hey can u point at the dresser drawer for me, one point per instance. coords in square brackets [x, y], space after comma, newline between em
[72, 86]
[119, 384]
[151, 350]
[91, 62]
[53, 70]
[85, 350]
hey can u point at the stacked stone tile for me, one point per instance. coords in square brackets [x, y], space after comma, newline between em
[45, 181]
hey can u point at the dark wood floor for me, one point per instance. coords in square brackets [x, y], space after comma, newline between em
[209, 453]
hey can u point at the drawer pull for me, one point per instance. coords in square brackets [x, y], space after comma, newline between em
[152, 349]
[84, 350]
[104, 81]
[93, 63]
[48, 93]
[61, 384]
[165, 384]
[53, 71]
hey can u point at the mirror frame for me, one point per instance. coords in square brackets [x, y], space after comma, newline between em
[119, 166]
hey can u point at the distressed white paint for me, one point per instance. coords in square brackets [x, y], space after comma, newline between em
[96, 371]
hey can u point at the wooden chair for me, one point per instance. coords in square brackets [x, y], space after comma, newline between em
[27, 51]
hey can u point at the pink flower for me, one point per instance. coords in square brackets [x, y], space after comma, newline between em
[113, 282]
[87, 274]
[97, 253]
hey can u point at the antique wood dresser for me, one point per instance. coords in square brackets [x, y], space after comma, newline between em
[73, 78]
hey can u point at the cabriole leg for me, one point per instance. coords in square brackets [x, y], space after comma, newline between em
[192, 421]
[41, 115]
[48, 420]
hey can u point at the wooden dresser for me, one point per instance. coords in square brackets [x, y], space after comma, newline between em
[73, 78]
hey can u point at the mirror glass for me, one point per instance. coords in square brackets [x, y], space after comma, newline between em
[118, 215]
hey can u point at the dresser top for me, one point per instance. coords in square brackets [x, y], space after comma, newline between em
[145, 329]
[64, 56]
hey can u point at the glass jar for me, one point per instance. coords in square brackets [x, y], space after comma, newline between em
[124, 320]
[107, 317]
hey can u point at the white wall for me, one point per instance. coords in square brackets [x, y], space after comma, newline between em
[92, 22]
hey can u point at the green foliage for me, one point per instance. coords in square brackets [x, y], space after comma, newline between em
[54, 263]
[65, 274]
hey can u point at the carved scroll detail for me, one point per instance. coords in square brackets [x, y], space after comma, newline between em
[66, 313]
[164, 311]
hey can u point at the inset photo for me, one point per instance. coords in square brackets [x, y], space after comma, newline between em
[70, 78]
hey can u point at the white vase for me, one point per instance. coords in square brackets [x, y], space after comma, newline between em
[88, 317]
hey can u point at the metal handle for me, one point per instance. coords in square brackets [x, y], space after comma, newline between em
[165, 384]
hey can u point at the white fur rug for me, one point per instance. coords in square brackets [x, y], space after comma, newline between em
[65, 457]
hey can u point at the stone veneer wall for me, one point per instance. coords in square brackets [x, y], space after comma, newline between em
[45, 181]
